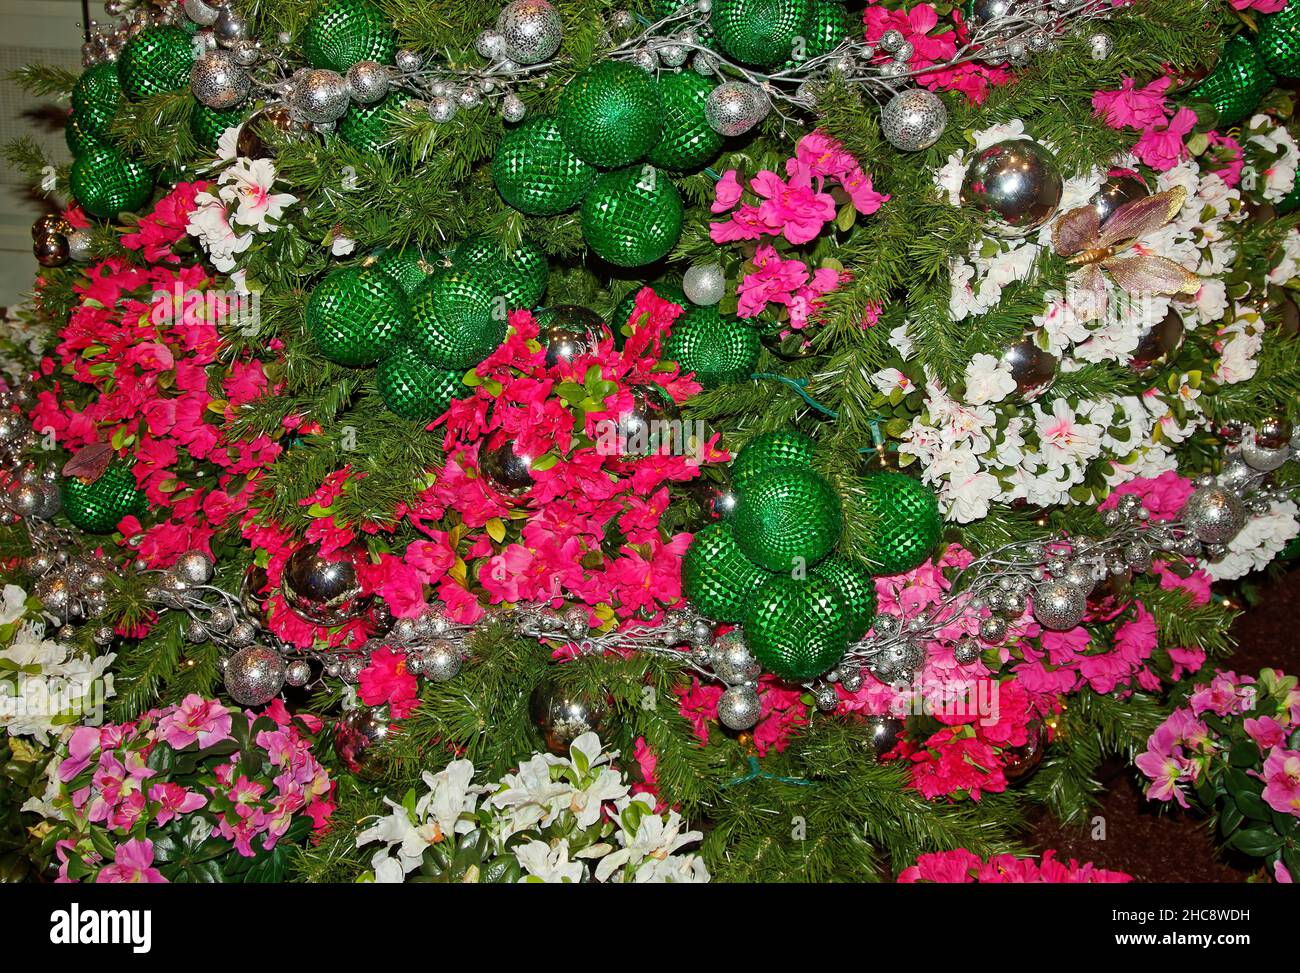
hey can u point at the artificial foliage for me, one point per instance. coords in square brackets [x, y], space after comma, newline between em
[851, 438]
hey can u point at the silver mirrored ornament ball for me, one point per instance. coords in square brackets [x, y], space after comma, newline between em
[1033, 369]
[882, 733]
[739, 708]
[734, 107]
[561, 716]
[704, 284]
[914, 119]
[1273, 432]
[323, 588]
[1016, 184]
[1262, 458]
[1214, 514]
[982, 12]
[506, 472]
[1059, 605]
[531, 30]
[1158, 343]
[254, 675]
[200, 12]
[319, 96]
[229, 27]
[368, 81]
[1115, 192]
[218, 80]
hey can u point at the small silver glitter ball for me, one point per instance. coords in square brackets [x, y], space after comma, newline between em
[1059, 605]
[218, 80]
[851, 679]
[442, 109]
[993, 629]
[193, 567]
[1016, 184]
[26, 500]
[490, 44]
[531, 29]
[368, 81]
[1261, 458]
[298, 672]
[1100, 46]
[913, 119]
[1237, 475]
[407, 61]
[254, 675]
[826, 698]
[221, 619]
[673, 55]
[319, 96]
[739, 708]
[441, 663]
[734, 107]
[200, 12]
[704, 284]
[1214, 514]
[80, 243]
[469, 97]
[891, 40]
[966, 651]
[731, 660]
[513, 108]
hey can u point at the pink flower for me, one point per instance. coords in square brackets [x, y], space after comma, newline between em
[385, 680]
[175, 801]
[1163, 148]
[1132, 107]
[1265, 731]
[726, 192]
[1281, 778]
[132, 862]
[196, 718]
[1259, 6]
[793, 209]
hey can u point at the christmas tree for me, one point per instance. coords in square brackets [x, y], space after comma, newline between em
[758, 440]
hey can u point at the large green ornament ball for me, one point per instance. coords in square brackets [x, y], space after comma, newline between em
[797, 629]
[342, 32]
[357, 315]
[717, 578]
[761, 32]
[787, 519]
[404, 264]
[368, 127]
[209, 124]
[771, 450]
[106, 183]
[95, 98]
[537, 173]
[688, 140]
[831, 24]
[456, 320]
[1290, 202]
[414, 389]
[97, 507]
[80, 139]
[854, 583]
[1237, 82]
[1278, 41]
[610, 114]
[520, 275]
[904, 522]
[717, 348]
[632, 216]
[156, 60]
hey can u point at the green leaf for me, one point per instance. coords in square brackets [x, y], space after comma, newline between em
[1257, 842]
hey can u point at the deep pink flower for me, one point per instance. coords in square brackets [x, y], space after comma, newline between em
[132, 862]
[195, 719]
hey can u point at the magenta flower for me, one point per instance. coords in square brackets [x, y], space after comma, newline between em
[1281, 778]
[727, 192]
[132, 862]
[792, 209]
[196, 718]
[1132, 107]
[1163, 148]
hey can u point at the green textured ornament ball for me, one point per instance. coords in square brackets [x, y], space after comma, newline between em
[414, 389]
[761, 32]
[1289, 202]
[717, 578]
[610, 114]
[209, 124]
[456, 320]
[357, 315]
[1278, 41]
[688, 140]
[97, 507]
[537, 173]
[519, 276]
[856, 587]
[105, 183]
[716, 348]
[904, 523]
[797, 629]
[96, 97]
[340, 33]
[632, 216]
[787, 519]
[830, 24]
[771, 450]
[1237, 82]
[80, 139]
[369, 127]
[404, 264]
[156, 60]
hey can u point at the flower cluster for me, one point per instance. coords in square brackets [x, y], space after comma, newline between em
[962, 867]
[45, 684]
[169, 796]
[1233, 748]
[244, 205]
[558, 819]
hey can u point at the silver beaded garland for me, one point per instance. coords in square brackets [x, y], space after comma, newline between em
[734, 107]
[193, 567]
[914, 119]
[368, 81]
[531, 30]
[704, 284]
[731, 660]
[218, 80]
[254, 675]
[739, 708]
[319, 96]
[1214, 514]
[441, 663]
[1100, 46]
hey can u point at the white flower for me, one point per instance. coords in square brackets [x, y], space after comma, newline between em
[1063, 437]
[547, 863]
[1258, 542]
[342, 245]
[450, 796]
[15, 604]
[646, 838]
[988, 379]
[246, 184]
[968, 496]
[210, 223]
[228, 144]
[887, 380]
[1237, 361]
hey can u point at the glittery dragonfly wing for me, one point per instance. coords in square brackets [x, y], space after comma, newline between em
[1142, 216]
[1149, 274]
[1076, 231]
